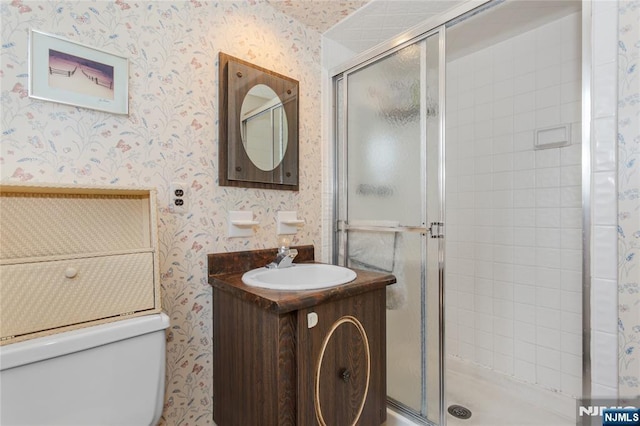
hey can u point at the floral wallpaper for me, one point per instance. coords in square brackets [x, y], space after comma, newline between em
[629, 197]
[170, 134]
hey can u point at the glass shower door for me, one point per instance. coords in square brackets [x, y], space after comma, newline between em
[388, 132]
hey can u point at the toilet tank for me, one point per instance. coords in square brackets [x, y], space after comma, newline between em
[109, 374]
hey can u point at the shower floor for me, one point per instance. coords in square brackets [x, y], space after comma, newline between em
[497, 400]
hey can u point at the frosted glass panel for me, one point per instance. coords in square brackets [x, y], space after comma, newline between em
[389, 192]
[403, 253]
[384, 144]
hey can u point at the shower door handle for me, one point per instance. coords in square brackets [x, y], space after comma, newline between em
[436, 230]
[397, 229]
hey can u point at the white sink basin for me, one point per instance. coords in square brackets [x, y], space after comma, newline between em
[299, 276]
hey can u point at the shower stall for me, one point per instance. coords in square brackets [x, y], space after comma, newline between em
[458, 169]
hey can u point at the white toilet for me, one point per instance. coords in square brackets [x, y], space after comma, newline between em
[109, 374]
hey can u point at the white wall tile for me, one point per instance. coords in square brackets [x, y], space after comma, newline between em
[547, 275]
[549, 76]
[600, 391]
[525, 370]
[605, 18]
[524, 82]
[604, 311]
[548, 217]
[548, 197]
[549, 258]
[524, 122]
[548, 377]
[523, 207]
[571, 217]
[571, 280]
[604, 367]
[548, 176]
[571, 259]
[571, 155]
[549, 237]
[571, 322]
[524, 198]
[570, 91]
[570, 175]
[525, 351]
[571, 196]
[571, 365]
[525, 332]
[547, 158]
[549, 116]
[605, 261]
[548, 97]
[570, 112]
[548, 318]
[524, 295]
[503, 363]
[571, 385]
[604, 99]
[571, 301]
[571, 343]
[604, 141]
[548, 298]
[549, 357]
[524, 102]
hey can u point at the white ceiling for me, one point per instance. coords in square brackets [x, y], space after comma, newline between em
[382, 20]
[359, 25]
[318, 14]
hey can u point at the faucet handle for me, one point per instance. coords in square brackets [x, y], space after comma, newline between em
[283, 243]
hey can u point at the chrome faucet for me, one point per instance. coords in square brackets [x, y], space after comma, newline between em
[285, 256]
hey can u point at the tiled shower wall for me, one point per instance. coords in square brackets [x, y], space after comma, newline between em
[514, 256]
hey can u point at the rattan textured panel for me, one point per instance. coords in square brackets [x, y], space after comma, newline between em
[40, 296]
[38, 225]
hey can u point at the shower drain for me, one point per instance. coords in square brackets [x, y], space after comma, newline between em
[459, 411]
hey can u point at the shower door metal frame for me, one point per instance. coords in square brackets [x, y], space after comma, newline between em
[449, 18]
[340, 245]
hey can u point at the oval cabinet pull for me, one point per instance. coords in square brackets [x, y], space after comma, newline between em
[70, 272]
[345, 374]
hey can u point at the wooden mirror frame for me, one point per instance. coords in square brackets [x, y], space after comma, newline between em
[235, 168]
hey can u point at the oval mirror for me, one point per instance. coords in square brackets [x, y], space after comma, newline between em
[263, 127]
[258, 115]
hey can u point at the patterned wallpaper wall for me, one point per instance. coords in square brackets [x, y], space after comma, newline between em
[169, 135]
[629, 197]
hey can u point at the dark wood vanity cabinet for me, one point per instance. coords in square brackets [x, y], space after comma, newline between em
[299, 358]
[342, 362]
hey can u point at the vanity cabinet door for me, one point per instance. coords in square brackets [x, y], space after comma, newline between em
[341, 362]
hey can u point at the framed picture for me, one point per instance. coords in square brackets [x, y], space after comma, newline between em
[70, 73]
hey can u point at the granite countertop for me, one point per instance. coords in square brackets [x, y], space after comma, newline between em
[226, 270]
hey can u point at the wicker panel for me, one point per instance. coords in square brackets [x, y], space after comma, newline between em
[38, 296]
[39, 224]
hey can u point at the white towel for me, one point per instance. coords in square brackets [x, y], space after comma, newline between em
[378, 251]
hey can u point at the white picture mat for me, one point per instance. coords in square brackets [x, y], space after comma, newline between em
[39, 46]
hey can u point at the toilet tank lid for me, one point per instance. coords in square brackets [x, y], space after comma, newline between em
[41, 348]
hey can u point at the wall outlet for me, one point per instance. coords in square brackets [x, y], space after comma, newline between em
[178, 197]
